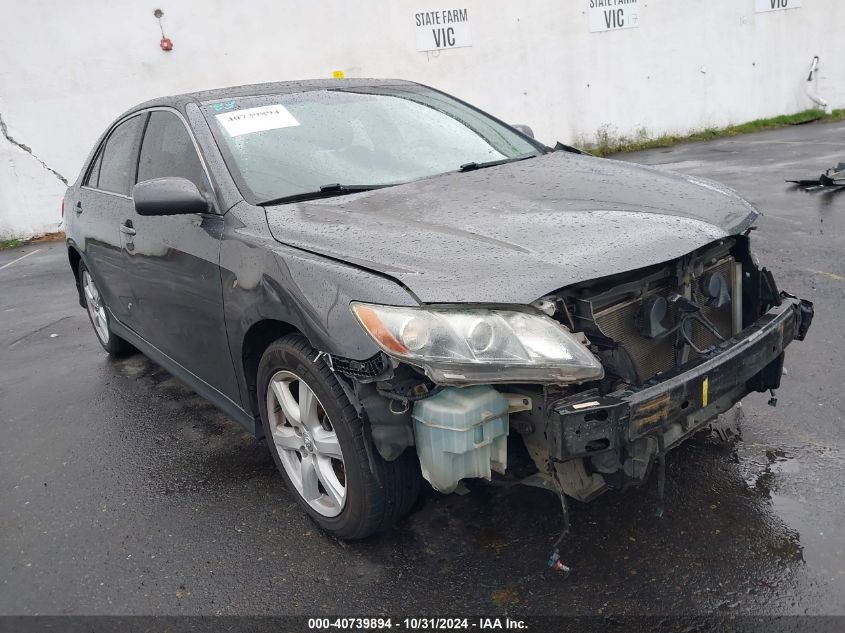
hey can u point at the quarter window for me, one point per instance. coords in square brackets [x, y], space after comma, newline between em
[167, 151]
[94, 174]
[118, 157]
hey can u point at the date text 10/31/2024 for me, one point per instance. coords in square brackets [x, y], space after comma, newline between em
[416, 624]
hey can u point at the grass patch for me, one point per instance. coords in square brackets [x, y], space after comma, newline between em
[15, 242]
[607, 142]
[12, 243]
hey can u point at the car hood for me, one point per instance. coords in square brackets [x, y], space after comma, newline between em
[513, 233]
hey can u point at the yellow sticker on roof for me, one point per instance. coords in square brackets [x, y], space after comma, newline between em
[272, 117]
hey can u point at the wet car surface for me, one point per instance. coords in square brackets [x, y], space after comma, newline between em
[124, 492]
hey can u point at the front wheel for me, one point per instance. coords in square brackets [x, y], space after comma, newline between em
[318, 444]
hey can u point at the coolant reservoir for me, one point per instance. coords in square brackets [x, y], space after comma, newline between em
[461, 433]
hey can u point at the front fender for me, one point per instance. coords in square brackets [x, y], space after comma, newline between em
[265, 280]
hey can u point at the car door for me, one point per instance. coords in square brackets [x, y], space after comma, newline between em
[173, 261]
[102, 203]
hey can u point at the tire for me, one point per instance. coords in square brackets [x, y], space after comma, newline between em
[98, 315]
[373, 499]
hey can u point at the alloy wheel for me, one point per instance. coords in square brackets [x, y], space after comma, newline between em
[96, 308]
[306, 443]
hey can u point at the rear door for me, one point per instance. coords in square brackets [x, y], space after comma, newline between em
[103, 202]
[173, 261]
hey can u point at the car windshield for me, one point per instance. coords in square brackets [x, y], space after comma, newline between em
[286, 145]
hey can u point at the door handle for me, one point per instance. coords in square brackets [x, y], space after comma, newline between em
[78, 208]
[127, 229]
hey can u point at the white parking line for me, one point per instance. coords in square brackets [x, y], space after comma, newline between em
[15, 261]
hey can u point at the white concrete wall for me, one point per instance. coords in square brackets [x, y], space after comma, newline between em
[68, 68]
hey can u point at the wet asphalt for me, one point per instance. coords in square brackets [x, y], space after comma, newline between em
[122, 492]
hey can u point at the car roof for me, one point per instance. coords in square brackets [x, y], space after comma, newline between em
[250, 90]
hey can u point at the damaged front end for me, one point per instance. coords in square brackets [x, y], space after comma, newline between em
[599, 380]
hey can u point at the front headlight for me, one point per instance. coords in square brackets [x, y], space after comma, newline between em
[457, 345]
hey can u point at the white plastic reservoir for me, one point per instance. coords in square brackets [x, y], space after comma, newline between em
[461, 433]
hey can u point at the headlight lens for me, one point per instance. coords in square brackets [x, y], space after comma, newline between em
[477, 345]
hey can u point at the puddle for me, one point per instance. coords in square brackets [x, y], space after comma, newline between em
[787, 547]
[800, 483]
[764, 478]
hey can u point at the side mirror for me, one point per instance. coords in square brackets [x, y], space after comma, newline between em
[168, 196]
[524, 129]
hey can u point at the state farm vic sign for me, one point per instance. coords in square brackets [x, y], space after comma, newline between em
[444, 28]
[612, 15]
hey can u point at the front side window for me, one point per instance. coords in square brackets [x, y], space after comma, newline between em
[285, 145]
[167, 151]
[119, 156]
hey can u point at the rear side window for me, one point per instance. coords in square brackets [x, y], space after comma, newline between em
[167, 151]
[118, 157]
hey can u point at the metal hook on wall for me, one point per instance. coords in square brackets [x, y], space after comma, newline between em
[811, 85]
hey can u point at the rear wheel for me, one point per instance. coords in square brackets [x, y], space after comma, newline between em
[318, 444]
[98, 314]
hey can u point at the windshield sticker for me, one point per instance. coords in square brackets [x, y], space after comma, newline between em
[272, 117]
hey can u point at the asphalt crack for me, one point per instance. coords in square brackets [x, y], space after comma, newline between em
[34, 332]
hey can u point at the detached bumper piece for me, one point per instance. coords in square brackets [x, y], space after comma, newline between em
[674, 405]
[832, 178]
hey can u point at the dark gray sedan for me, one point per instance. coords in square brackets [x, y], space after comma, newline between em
[389, 284]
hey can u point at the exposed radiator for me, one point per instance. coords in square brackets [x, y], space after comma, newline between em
[722, 317]
[655, 355]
